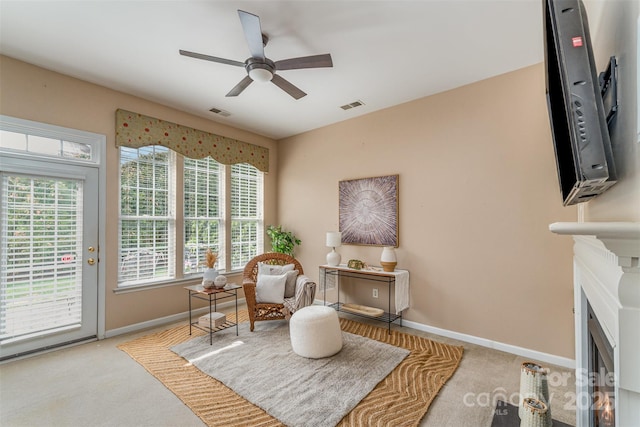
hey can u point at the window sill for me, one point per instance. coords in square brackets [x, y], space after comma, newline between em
[177, 282]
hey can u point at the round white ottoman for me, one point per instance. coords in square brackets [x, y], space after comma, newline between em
[315, 332]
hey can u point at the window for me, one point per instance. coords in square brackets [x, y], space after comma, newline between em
[151, 236]
[246, 214]
[18, 137]
[147, 214]
[203, 208]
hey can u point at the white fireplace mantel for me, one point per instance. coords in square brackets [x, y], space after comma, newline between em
[621, 238]
[607, 276]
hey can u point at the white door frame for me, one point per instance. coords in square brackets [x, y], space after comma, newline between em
[99, 144]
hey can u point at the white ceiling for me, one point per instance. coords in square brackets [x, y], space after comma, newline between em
[384, 52]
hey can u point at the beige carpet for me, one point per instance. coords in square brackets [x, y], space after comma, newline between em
[401, 399]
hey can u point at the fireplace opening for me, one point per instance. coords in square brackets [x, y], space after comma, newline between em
[601, 375]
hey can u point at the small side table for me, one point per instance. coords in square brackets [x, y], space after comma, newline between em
[212, 295]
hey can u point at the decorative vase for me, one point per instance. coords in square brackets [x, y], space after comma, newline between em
[388, 259]
[533, 384]
[334, 240]
[209, 277]
[535, 413]
[220, 281]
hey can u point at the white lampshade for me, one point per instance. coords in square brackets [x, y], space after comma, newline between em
[260, 75]
[334, 239]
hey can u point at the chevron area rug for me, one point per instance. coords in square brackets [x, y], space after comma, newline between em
[401, 398]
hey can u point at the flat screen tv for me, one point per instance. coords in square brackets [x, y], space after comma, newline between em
[583, 152]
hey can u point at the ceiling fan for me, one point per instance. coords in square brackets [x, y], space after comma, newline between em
[258, 66]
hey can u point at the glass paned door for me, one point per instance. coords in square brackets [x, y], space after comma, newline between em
[48, 253]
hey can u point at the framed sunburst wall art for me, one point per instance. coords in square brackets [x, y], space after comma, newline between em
[369, 211]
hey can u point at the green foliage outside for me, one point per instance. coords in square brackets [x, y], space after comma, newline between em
[145, 202]
[282, 241]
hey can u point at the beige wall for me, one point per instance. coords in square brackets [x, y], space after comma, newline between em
[478, 189]
[614, 26]
[477, 192]
[32, 93]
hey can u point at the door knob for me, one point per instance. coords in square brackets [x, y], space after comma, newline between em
[91, 249]
[91, 261]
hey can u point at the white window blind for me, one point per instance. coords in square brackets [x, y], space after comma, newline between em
[41, 274]
[147, 215]
[203, 213]
[246, 213]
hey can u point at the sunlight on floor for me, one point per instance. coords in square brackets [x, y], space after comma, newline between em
[214, 352]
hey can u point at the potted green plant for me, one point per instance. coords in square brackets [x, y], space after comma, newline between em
[282, 241]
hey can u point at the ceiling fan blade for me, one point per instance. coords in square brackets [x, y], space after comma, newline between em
[237, 90]
[314, 61]
[253, 33]
[211, 58]
[287, 87]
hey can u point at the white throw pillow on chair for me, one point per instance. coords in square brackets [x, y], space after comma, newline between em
[271, 270]
[276, 270]
[270, 288]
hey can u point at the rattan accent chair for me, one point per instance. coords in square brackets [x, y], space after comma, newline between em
[304, 295]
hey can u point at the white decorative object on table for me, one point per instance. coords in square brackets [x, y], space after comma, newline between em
[334, 240]
[217, 319]
[388, 259]
[220, 281]
[209, 277]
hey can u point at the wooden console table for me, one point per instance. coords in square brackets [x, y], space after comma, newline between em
[390, 278]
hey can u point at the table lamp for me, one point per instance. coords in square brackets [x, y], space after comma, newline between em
[334, 240]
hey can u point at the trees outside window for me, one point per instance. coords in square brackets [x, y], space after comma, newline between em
[171, 205]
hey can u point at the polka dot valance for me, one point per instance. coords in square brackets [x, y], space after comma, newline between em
[136, 130]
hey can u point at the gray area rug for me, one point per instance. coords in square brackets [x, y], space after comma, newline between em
[261, 367]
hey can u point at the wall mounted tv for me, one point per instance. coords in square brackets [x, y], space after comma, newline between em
[580, 134]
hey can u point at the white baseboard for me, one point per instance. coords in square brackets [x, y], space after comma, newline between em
[484, 342]
[166, 320]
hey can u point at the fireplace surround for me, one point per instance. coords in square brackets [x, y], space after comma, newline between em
[607, 284]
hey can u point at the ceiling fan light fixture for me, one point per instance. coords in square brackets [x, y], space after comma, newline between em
[260, 75]
[260, 68]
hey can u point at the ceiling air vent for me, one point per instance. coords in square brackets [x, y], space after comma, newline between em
[352, 105]
[220, 112]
